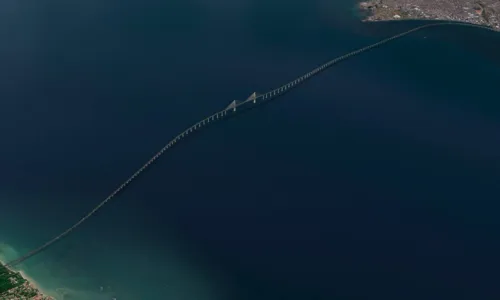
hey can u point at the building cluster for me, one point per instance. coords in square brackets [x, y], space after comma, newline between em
[484, 12]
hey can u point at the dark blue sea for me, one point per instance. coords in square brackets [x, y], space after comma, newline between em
[377, 179]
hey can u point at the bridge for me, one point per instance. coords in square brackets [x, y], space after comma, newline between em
[233, 108]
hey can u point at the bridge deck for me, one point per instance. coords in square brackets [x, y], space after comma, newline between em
[254, 99]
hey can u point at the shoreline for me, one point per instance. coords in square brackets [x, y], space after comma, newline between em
[23, 286]
[484, 13]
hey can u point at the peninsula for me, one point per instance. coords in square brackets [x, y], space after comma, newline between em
[14, 287]
[480, 12]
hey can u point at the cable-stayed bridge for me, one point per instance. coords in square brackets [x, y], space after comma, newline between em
[233, 108]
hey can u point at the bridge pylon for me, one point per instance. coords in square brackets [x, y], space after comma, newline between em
[253, 97]
[232, 105]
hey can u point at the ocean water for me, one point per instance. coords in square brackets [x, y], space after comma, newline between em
[378, 179]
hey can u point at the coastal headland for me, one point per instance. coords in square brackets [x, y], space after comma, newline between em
[483, 12]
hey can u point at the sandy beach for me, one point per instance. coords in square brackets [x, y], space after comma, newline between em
[29, 287]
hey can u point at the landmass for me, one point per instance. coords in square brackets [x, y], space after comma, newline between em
[483, 12]
[14, 287]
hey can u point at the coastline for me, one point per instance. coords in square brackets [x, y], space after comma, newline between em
[22, 286]
[484, 13]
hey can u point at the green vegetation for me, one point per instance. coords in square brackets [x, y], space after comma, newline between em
[14, 286]
[9, 280]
